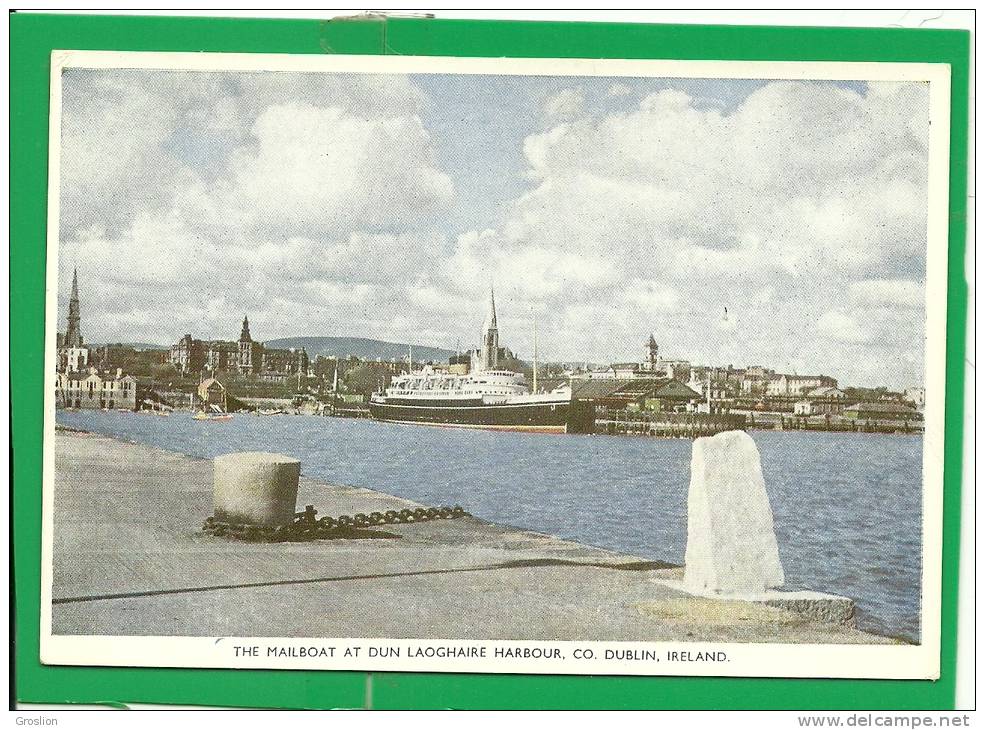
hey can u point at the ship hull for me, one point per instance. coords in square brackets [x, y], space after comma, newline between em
[550, 417]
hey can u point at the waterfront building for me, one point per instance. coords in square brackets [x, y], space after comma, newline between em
[458, 364]
[795, 385]
[827, 392]
[716, 394]
[711, 388]
[803, 408]
[71, 353]
[623, 371]
[221, 356]
[758, 380]
[670, 369]
[137, 361]
[288, 362]
[212, 393]
[92, 389]
[826, 400]
[755, 379]
[916, 396]
[188, 355]
[654, 394]
[651, 366]
[245, 357]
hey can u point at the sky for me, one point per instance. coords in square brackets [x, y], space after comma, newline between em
[780, 223]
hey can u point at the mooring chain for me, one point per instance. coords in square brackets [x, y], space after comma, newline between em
[307, 526]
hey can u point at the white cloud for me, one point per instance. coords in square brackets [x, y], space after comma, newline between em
[135, 141]
[317, 203]
[204, 196]
[841, 327]
[773, 210]
[889, 293]
[114, 164]
[565, 104]
[322, 169]
[652, 297]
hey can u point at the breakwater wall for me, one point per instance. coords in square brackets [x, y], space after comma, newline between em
[835, 423]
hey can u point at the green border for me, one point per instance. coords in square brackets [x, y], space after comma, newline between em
[32, 38]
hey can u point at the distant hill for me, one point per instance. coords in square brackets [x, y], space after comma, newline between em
[360, 347]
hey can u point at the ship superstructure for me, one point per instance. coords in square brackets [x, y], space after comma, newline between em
[488, 396]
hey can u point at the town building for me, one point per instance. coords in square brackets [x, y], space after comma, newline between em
[823, 401]
[916, 396]
[663, 395]
[188, 355]
[71, 353]
[716, 394]
[651, 366]
[458, 364]
[78, 383]
[212, 394]
[245, 357]
[136, 361]
[760, 381]
[92, 389]
[796, 385]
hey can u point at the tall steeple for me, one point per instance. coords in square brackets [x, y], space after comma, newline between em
[244, 336]
[490, 336]
[491, 317]
[249, 356]
[73, 333]
[651, 353]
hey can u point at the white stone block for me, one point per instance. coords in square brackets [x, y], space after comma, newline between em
[731, 543]
[255, 488]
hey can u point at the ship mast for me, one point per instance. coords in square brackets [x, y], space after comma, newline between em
[535, 355]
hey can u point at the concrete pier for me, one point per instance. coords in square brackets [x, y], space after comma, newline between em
[129, 559]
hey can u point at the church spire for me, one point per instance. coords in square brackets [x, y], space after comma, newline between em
[490, 336]
[491, 317]
[244, 336]
[73, 333]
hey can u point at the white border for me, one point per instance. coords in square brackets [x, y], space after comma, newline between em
[763, 660]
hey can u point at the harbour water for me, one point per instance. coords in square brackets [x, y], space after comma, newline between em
[847, 507]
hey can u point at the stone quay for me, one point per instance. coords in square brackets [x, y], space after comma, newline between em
[130, 559]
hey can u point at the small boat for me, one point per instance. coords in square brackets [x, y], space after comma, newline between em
[213, 416]
[271, 411]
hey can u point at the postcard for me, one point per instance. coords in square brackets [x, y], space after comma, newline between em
[495, 365]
